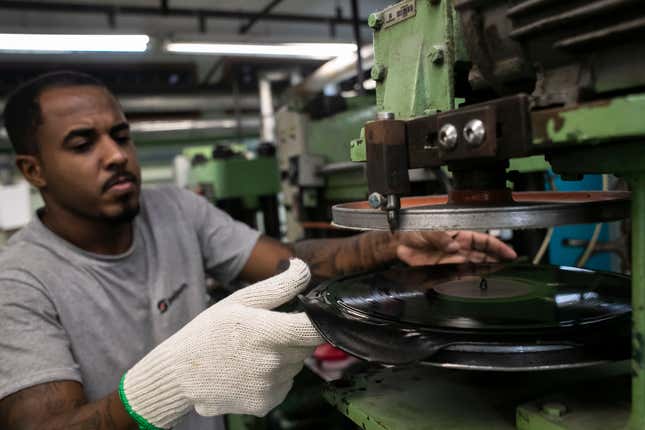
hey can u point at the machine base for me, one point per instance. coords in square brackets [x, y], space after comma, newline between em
[423, 398]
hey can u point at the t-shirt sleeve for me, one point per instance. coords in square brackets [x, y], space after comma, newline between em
[34, 346]
[226, 244]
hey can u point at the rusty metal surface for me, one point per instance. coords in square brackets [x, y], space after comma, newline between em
[387, 157]
[561, 52]
[529, 210]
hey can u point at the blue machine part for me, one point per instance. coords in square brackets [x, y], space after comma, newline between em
[563, 255]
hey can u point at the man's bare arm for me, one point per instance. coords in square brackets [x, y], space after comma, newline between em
[334, 257]
[62, 405]
[325, 257]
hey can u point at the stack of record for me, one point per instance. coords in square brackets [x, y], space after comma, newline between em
[506, 317]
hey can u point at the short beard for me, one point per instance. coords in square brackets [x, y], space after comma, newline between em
[125, 217]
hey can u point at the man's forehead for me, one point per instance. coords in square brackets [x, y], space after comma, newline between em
[77, 101]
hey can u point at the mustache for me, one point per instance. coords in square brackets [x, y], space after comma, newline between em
[118, 177]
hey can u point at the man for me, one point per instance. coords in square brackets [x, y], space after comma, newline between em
[93, 289]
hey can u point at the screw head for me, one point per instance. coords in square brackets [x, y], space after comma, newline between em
[376, 200]
[475, 133]
[436, 55]
[448, 137]
[375, 21]
[378, 72]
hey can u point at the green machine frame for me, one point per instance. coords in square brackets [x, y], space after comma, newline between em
[417, 47]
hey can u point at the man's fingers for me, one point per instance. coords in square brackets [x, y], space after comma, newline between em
[485, 243]
[431, 240]
[290, 330]
[276, 290]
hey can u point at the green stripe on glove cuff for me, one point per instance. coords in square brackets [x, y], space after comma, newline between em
[142, 422]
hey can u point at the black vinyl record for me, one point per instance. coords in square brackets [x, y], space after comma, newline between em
[562, 315]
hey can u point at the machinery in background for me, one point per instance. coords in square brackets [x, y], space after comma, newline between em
[244, 184]
[317, 173]
[316, 170]
[475, 87]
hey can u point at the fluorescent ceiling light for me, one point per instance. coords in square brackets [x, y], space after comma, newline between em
[73, 42]
[317, 51]
[188, 124]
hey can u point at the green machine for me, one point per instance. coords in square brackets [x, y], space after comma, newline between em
[312, 153]
[242, 183]
[480, 87]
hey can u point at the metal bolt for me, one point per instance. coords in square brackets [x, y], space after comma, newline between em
[378, 72]
[475, 133]
[436, 55]
[554, 409]
[384, 115]
[375, 21]
[377, 200]
[448, 137]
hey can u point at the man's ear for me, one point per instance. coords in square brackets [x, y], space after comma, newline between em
[31, 169]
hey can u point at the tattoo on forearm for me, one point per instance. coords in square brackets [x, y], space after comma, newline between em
[333, 257]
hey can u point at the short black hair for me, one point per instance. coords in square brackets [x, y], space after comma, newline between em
[22, 114]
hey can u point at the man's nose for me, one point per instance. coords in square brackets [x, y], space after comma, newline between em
[114, 153]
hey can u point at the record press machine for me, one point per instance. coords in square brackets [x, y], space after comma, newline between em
[471, 86]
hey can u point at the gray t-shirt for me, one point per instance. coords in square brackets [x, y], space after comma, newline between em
[67, 314]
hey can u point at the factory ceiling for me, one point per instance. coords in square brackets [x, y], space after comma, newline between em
[165, 21]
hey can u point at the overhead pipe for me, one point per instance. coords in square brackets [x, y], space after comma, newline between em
[334, 71]
[359, 43]
[177, 103]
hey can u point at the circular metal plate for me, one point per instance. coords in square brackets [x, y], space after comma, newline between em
[529, 210]
[521, 361]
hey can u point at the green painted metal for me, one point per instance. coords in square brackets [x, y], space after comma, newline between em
[238, 177]
[346, 186]
[620, 158]
[620, 118]
[637, 419]
[597, 405]
[330, 137]
[424, 398]
[536, 163]
[417, 56]
[357, 148]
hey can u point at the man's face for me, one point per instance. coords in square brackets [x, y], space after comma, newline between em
[88, 159]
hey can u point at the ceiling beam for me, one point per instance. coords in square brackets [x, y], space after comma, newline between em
[42, 6]
[262, 14]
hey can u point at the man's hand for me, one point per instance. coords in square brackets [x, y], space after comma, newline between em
[238, 356]
[418, 248]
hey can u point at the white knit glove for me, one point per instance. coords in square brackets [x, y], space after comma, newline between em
[235, 357]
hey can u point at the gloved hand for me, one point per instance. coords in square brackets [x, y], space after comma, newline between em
[235, 357]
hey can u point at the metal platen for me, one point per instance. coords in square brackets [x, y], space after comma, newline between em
[525, 210]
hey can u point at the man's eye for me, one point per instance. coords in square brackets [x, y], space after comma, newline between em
[81, 147]
[123, 140]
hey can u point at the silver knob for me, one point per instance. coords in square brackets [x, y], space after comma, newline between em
[448, 137]
[376, 200]
[475, 133]
[384, 115]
